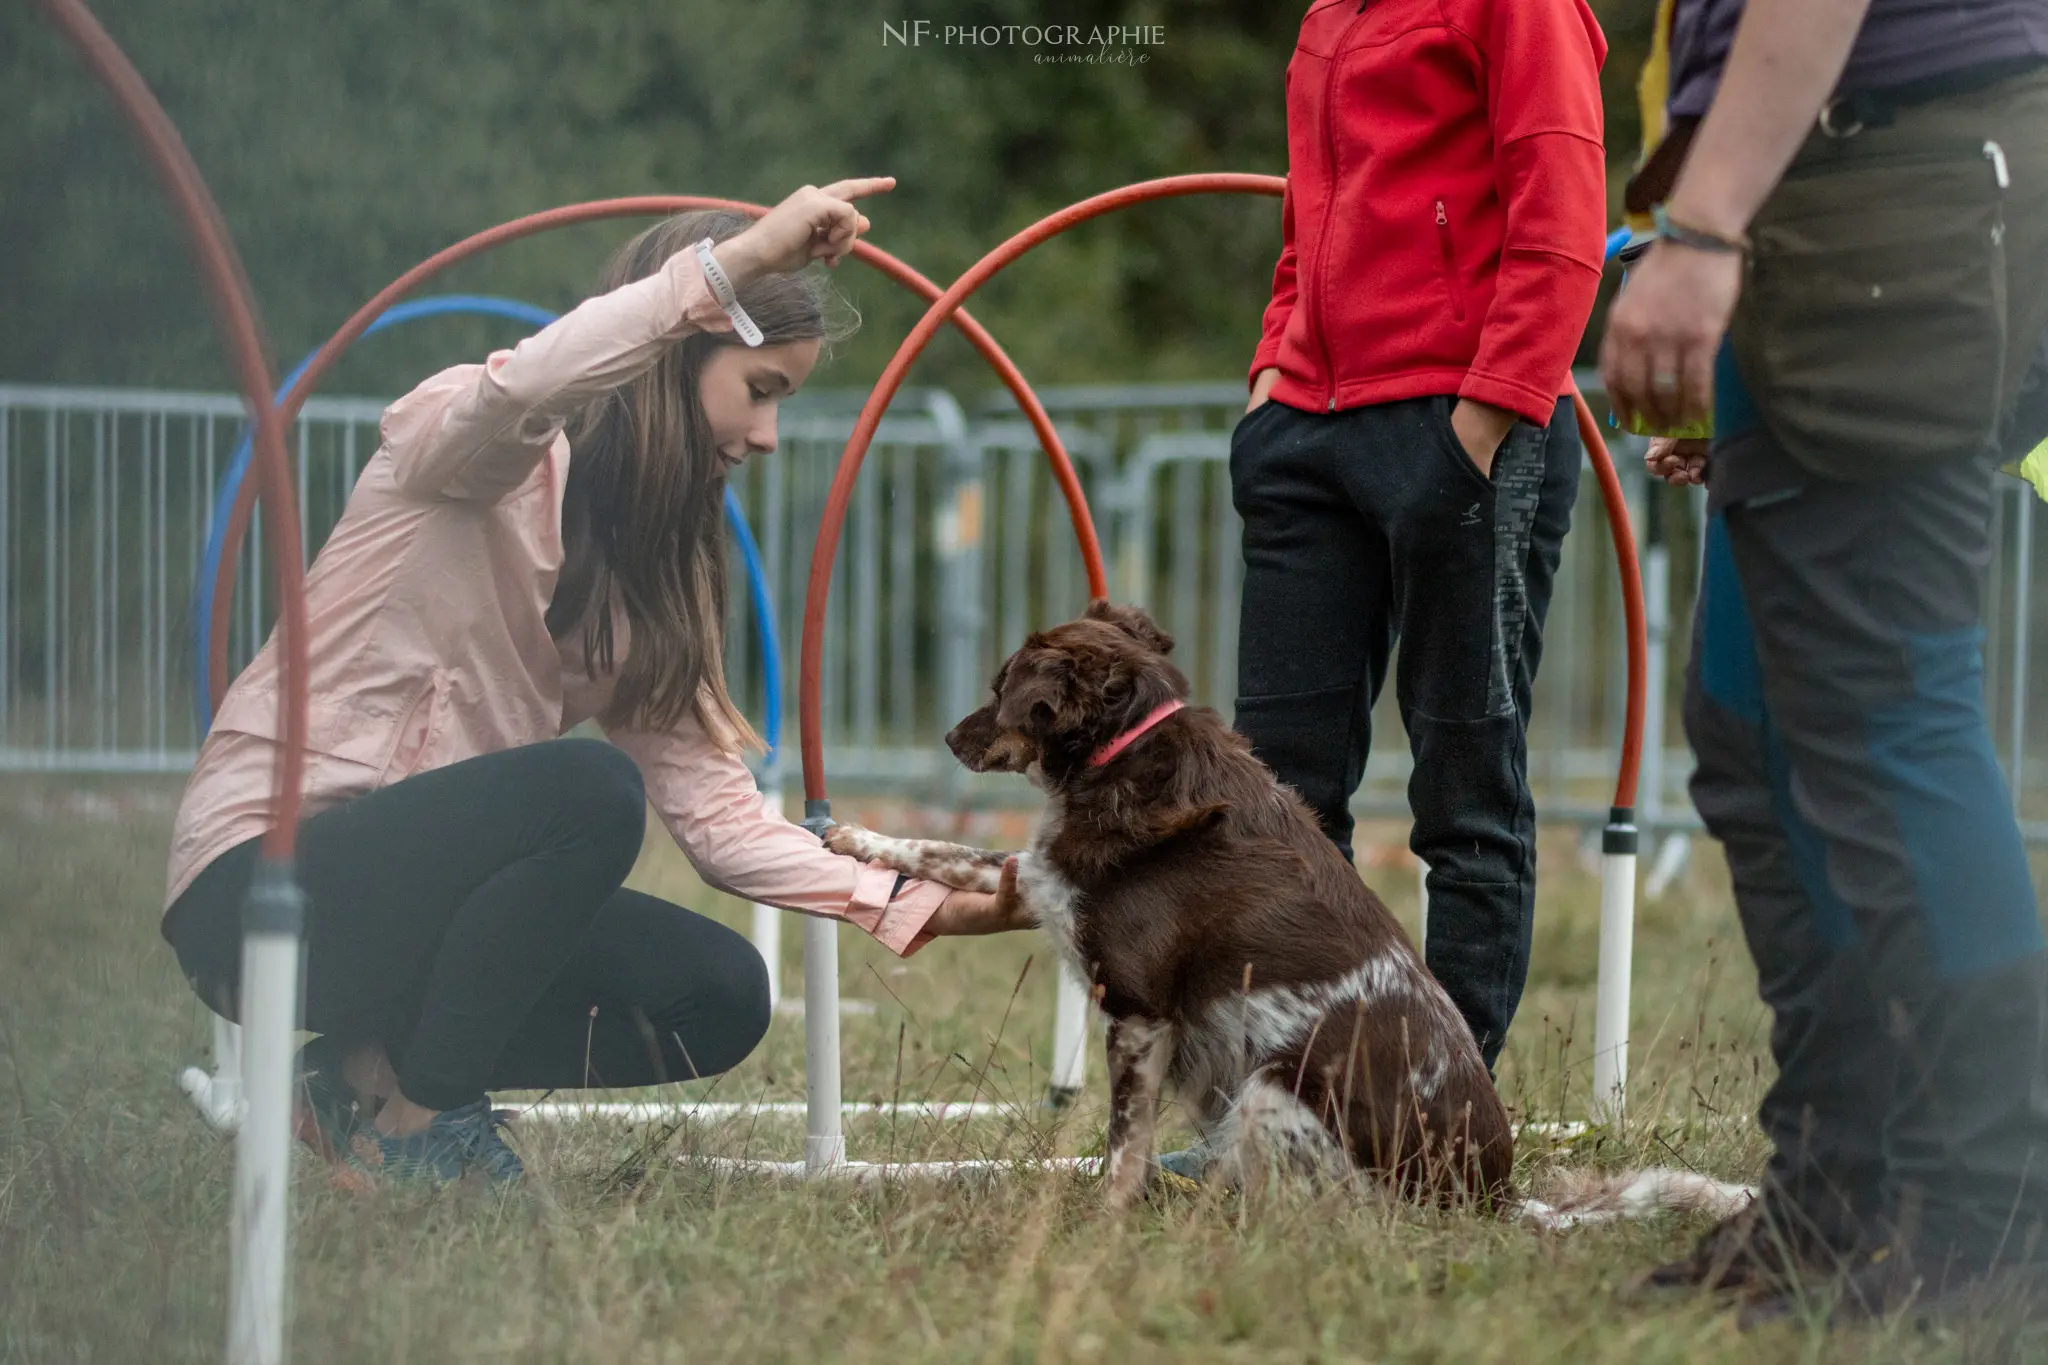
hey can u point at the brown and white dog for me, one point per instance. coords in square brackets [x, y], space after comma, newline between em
[1241, 961]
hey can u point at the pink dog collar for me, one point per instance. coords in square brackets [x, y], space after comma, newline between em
[1132, 735]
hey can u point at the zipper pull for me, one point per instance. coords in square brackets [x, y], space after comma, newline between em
[1997, 155]
[1443, 218]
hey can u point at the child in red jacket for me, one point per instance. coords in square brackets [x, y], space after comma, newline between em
[1405, 468]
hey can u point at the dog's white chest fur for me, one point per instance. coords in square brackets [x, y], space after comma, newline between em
[1056, 900]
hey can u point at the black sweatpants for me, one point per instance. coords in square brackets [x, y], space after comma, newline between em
[1371, 525]
[472, 920]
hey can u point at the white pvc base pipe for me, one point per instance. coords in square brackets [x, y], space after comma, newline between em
[1657, 627]
[1070, 1037]
[218, 1097]
[768, 943]
[1672, 855]
[218, 1093]
[1610, 1010]
[767, 919]
[259, 1241]
[893, 1170]
[824, 1138]
[792, 1007]
[654, 1111]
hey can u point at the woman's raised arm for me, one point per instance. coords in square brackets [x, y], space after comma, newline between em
[477, 431]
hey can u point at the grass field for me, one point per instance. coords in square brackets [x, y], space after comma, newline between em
[113, 1195]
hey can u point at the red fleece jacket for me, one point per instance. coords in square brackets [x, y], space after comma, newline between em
[1446, 203]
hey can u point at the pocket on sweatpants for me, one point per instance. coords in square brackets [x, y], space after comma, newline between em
[1249, 438]
[1252, 419]
[1450, 447]
[1872, 331]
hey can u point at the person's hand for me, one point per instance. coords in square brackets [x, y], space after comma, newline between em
[1481, 427]
[1262, 386]
[811, 225]
[978, 912]
[1664, 331]
[1678, 461]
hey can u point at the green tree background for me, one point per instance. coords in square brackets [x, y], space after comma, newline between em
[346, 139]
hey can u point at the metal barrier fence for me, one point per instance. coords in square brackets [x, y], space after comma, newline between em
[956, 545]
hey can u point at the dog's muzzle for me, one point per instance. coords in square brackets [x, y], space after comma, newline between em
[982, 746]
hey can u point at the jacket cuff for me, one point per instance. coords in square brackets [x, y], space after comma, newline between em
[898, 924]
[1264, 358]
[1530, 404]
[903, 924]
[696, 305]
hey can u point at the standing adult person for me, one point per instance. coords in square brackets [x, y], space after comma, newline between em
[1863, 212]
[1405, 467]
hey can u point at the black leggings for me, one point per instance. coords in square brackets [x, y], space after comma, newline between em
[471, 920]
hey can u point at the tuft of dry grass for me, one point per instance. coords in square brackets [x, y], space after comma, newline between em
[114, 1196]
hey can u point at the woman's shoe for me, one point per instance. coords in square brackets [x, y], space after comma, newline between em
[1189, 1163]
[457, 1143]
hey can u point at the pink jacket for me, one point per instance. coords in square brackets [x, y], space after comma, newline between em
[428, 644]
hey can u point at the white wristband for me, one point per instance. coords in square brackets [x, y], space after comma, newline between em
[722, 290]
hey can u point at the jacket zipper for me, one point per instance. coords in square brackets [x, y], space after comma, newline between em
[1329, 206]
[1443, 240]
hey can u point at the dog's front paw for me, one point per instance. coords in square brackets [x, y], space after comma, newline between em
[870, 847]
[853, 842]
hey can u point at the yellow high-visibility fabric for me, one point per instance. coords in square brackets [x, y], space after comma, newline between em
[2034, 469]
[1653, 92]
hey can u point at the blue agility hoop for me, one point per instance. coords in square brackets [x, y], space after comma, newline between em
[467, 305]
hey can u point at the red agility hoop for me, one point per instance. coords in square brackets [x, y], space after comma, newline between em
[1633, 616]
[273, 913]
[242, 336]
[811, 667]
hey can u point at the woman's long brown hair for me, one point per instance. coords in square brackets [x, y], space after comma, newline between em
[643, 518]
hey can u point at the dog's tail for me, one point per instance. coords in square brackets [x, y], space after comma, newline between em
[1572, 1198]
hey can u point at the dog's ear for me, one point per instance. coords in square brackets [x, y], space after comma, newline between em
[1133, 622]
[1038, 694]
